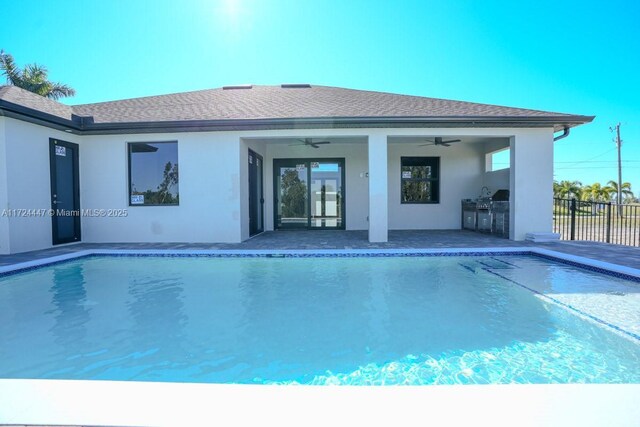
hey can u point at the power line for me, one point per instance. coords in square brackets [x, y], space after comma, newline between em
[593, 158]
[588, 167]
[601, 161]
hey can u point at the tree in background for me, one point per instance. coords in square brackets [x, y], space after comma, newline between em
[32, 77]
[163, 195]
[294, 195]
[169, 181]
[596, 192]
[567, 189]
[626, 192]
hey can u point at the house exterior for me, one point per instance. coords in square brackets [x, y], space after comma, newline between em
[255, 158]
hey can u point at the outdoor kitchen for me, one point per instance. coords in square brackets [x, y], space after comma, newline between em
[489, 213]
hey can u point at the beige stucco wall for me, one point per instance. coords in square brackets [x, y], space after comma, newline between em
[209, 187]
[214, 185]
[4, 199]
[28, 181]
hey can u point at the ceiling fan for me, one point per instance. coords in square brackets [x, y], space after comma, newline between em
[438, 141]
[311, 143]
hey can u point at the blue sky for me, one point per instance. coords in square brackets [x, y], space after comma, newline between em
[573, 57]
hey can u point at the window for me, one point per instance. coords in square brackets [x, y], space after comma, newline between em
[153, 173]
[420, 180]
[498, 160]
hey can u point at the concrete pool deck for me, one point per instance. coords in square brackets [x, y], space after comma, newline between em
[117, 403]
[627, 256]
[120, 403]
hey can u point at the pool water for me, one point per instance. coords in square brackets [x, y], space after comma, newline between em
[326, 320]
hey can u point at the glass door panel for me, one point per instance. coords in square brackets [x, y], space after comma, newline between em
[326, 194]
[292, 207]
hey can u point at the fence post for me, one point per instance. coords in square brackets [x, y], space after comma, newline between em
[609, 222]
[572, 208]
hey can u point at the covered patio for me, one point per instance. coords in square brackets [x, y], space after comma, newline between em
[386, 180]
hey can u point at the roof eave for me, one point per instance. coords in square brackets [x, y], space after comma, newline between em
[16, 111]
[87, 127]
[558, 123]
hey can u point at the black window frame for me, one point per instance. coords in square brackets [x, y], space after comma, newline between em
[434, 163]
[129, 145]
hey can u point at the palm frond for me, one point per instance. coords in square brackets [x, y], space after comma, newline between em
[59, 90]
[9, 68]
[33, 78]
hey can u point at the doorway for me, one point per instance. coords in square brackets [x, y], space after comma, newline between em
[256, 196]
[65, 191]
[309, 194]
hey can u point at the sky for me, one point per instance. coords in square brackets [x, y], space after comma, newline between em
[579, 57]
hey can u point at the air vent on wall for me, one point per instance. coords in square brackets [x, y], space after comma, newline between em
[237, 87]
[295, 85]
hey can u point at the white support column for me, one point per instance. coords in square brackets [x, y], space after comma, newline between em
[243, 189]
[531, 183]
[378, 191]
[4, 193]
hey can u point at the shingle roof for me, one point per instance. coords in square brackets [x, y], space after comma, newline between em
[26, 99]
[273, 103]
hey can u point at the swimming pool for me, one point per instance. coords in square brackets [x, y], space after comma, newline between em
[320, 320]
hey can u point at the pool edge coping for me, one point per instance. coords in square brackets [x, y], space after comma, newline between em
[119, 403]
[591, 263]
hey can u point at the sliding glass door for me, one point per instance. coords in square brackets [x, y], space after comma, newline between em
[291, 194]
[309, 193]
[326, 200]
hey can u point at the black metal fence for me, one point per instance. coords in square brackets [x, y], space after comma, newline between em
[597, 221]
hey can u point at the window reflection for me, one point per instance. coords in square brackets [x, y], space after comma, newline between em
[153, 173]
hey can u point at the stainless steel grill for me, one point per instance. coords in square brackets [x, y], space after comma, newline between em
[485, 217]
[469, 214]
[487, 214]
[500, 212]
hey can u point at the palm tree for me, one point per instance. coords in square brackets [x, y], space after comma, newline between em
[625, 192]
[567, 189]
[32, 77]
[596, 193]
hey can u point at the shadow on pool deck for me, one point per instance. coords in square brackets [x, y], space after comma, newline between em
[339, 239]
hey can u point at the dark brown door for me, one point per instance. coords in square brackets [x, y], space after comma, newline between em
[65, 191]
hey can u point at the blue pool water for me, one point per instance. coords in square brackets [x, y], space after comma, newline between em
[364, 320]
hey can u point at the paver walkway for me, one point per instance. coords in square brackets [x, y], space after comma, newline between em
[333, 239]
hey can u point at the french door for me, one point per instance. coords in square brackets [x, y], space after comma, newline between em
[309, 193]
